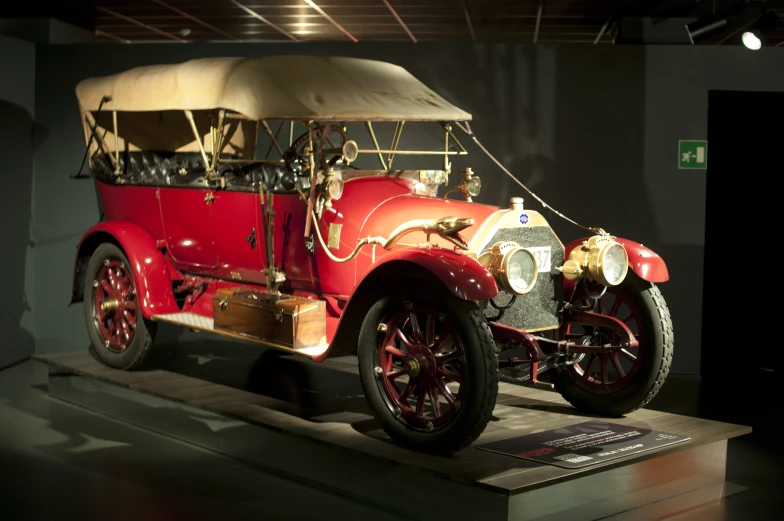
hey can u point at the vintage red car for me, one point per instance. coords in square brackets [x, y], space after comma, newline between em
[301, 250]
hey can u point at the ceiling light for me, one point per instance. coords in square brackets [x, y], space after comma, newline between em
[751, 41]
[754, 37]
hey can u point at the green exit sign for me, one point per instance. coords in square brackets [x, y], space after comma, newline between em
[692, 154]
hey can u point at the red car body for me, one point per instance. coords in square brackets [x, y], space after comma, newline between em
[199, 231]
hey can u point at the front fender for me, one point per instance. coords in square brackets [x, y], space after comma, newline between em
[151, 271]
[461, 274]
[643, 261]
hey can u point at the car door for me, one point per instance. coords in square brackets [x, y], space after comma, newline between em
[186, 215]
[239, 239]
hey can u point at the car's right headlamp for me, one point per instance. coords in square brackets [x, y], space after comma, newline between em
[513, 267]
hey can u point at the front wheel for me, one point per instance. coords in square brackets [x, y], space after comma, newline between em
[119, 333]
[620, 381]
[428, 367]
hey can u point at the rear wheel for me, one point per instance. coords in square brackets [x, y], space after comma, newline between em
[119, 333]
[428, 367]
[625, 379]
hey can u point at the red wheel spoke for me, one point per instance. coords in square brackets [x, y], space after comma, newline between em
[394, 374]
[416, 332]
[445, 391]
[126, 330]
[106, 287]
[438, 346]
[396, 352]
[420, 409]
[628, 355]
[407, 391]
[589, 366]
[443, 359]
[617, 364]
[434, 403]
[430, 331]
[112, 279]
[130, 317]
[449, 374]
[616, 306]
[129, 305]
[403, 338]
[605, 375]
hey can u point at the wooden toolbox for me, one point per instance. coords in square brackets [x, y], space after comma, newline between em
[285, 320]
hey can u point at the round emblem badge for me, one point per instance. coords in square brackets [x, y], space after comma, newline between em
[523, 218]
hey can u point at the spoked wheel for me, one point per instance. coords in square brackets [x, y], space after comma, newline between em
[607, 372]
[115, 304]
[625, 378]
[428, 367]
[422, 367]
[120, 334]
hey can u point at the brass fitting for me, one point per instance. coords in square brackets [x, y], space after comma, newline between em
[591, 258]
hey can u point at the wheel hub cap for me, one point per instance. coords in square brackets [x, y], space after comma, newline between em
[110, 305]
[412, 368]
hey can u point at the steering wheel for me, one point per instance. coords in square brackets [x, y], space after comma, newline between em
[321, 140]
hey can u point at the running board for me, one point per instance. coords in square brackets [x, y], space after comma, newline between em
[207, 324]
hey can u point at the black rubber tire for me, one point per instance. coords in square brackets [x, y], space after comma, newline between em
[659, 341]
[144, 334]
[482, 379]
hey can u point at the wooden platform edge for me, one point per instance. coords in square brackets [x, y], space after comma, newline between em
[390, 454]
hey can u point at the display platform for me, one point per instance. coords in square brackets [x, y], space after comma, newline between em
[309, 422]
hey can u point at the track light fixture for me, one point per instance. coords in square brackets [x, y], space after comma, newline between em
[705, 26]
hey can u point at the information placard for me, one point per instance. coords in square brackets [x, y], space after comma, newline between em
[583, 444]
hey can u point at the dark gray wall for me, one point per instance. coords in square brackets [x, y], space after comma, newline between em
[677, 82]
[17, 108]
[580, 125]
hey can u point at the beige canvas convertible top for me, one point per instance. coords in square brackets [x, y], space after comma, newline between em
[275, 87]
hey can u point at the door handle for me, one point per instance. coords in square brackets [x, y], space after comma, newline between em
[251, 239]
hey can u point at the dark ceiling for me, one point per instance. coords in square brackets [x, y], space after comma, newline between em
[532, 21]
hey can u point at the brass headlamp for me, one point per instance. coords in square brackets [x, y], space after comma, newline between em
[331, 186]
[469, 186]
[513, 267]
[601, 257]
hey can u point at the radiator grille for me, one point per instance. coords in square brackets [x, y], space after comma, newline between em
[541, 308]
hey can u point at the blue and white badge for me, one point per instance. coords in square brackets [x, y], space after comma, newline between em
[523, 218]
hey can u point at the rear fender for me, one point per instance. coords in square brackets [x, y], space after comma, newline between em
[152, 272]
[643, 261]
[459, 273]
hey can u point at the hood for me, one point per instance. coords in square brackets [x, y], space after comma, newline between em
[376, 206]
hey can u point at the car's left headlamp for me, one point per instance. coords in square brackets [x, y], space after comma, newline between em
[605, 260]
[513, 267]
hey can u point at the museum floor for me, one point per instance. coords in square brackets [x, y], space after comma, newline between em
[60, 460]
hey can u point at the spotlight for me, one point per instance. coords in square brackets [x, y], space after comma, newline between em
[753, 38]
[751, 41]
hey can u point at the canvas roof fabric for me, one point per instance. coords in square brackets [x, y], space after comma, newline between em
[296, 87]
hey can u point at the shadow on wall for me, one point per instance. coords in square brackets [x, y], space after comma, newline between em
[16, 151]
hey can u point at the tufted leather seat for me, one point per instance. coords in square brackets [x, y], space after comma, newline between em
[147, 168]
